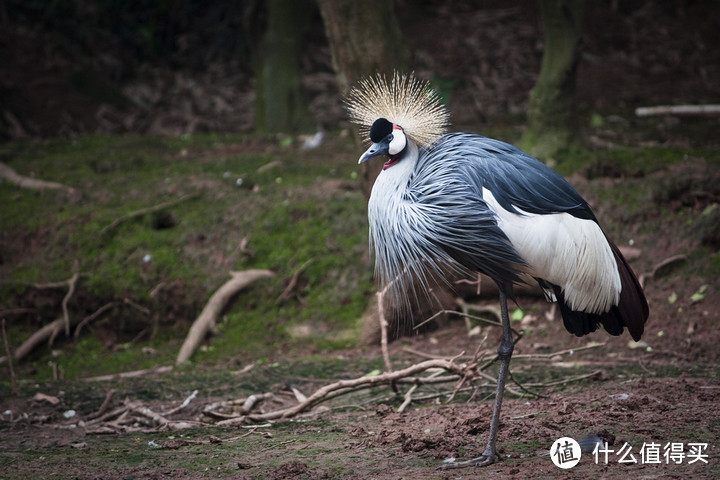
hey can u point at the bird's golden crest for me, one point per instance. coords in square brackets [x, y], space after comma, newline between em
[405, 101]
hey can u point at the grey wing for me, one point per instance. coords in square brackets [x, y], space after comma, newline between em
[461, 224]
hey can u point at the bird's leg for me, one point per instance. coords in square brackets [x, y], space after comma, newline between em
[504, 353]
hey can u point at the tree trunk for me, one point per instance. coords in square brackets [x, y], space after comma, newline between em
[551, 114]
[365, 39]
[281, 105]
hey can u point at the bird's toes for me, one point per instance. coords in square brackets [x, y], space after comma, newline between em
[481, 461]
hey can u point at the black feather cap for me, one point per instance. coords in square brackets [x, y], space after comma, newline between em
[380, 129]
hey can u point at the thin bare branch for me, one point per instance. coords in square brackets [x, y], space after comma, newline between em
[105, 405]
[72, 282]
[362, 382]
[383, 330]
[133, 374]
[8, 354]
[184, 404]
[568, 351]
[576, 378]
[92, 317]
[292, 284]
[145, 211]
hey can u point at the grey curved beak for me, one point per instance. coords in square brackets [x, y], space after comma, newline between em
[374, 150]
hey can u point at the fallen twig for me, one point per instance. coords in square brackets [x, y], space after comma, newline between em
[72, 282]
[299, 396]
[494, 379]
[232, 420]
[523, 387]
[411, 390]
[12, 176]
[285, 295]
[51, 330]
[408, 399]
[247, 405]
[678, 110]
[567, 380]
[428, 355]
[184, 404]
[362, 382]
[135, 416]
[667, 265]
[250, 432]
[48, 331]
[103, 408]
[431, 396]
[253, 400]
[383, 330]
[275, 445]
[147, 412]
[568, 351]
[206, 321]
[466, 307]
[108, 415]
[466, 315]
[145, 211]
[222, 416]
[132, 413]
[132, 374]
[13, 378]
[92, 317]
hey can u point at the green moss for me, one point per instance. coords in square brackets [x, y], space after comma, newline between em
[284, 213]
[287, 217]
[626, 162]
[713, 266]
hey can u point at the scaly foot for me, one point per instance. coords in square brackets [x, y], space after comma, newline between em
[487, 458]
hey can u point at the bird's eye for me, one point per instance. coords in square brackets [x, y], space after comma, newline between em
[390, 138]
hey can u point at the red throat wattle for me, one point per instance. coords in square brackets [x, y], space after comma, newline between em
[393, 160]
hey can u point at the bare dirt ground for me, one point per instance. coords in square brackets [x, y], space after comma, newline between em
[663, 394]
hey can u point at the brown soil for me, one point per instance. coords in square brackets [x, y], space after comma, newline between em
[665, 391]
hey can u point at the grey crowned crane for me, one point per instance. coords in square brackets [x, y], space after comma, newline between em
[463, 203]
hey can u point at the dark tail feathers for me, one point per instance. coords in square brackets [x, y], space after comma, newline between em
[631, 312]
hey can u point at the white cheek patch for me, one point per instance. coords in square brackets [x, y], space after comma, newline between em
[398, 142]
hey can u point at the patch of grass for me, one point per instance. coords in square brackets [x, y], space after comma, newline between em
[712, 267]
[296, 212]
[288, 216]
[524, 447]
[630, 161]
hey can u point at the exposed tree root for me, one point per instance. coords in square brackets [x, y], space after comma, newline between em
[51, 330]
[64, 323]
[206, 321]
[21, 181]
